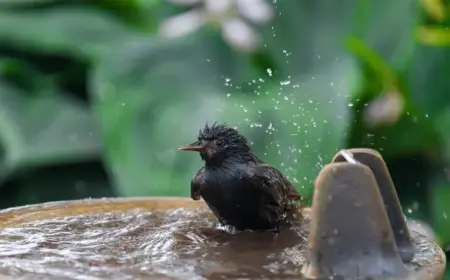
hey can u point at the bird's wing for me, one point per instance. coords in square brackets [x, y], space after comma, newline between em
[276, 185]
[197, 183]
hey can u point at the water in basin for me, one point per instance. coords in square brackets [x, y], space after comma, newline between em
[175, 244]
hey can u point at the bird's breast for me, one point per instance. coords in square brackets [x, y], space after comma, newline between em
[223, 183]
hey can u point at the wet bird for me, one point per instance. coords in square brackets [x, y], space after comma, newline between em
[240, 189]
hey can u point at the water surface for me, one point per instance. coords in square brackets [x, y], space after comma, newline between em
[177, 244]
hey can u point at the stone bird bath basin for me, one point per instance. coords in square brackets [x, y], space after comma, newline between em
[354, 230]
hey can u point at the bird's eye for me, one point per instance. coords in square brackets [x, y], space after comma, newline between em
[219, 142]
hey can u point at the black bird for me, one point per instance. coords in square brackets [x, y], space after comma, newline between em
[239, 188]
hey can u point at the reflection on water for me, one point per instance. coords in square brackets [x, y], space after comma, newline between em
[179, 244]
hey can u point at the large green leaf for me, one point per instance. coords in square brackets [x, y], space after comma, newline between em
[428, 79]
[43, 129]
[151, 97]
[76, 30]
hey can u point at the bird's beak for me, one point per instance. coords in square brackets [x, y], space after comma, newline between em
[196, 146]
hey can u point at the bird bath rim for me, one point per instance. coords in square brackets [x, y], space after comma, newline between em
[50, 210]
[13, 217]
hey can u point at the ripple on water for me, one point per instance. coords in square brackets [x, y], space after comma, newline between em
[177, 244]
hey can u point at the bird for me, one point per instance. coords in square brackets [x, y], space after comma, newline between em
[239, 188]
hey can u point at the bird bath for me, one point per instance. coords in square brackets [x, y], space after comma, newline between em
[355, 229]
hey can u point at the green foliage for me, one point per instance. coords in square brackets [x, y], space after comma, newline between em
[76, 31]
[83, 80]
[38, 130]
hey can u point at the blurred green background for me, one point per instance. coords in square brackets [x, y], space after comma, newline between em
[96, 96]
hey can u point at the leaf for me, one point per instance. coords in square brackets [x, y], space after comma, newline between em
[373, 61]
[434, 36]
[427, 79]
[44, 129]
[80, 31]
[435, 9]
[150, 98]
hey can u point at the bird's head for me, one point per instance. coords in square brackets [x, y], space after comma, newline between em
[219, 142]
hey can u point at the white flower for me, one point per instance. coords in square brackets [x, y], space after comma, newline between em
[257, 11]
[183, 24]
[233, 16]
